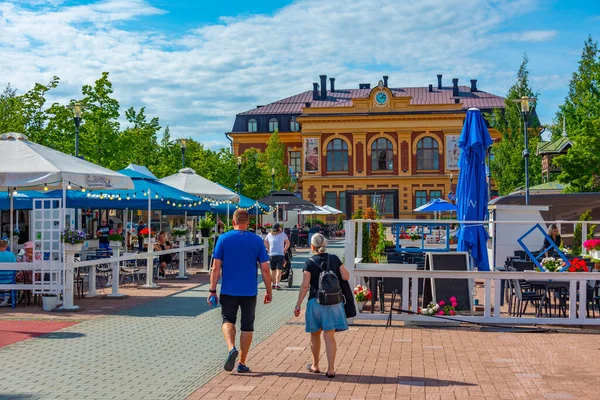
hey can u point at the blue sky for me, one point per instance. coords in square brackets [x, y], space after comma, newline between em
[195, 64]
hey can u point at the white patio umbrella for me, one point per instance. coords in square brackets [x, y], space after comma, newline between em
[28, 165]
[332, 210]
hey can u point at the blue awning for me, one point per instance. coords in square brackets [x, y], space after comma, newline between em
[244, 203]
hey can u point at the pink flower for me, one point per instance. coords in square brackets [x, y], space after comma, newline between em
[454, 304]
[441, 312]
[442, 303]
[452, 312]
[453, 299]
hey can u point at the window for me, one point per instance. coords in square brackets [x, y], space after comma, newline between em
[342, 202]
[428, 157]
[435, 194]
[382, 155]
[273, 125]
[331, 199]
[252, 125]
[383, 203]
[420, 198]
[295, 162]
[294, 125]
[337, 155]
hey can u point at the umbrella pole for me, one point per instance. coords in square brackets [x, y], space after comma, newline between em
[149, 261]
[12, 209]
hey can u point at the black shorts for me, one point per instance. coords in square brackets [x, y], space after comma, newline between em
[277, 262]
[229, 309]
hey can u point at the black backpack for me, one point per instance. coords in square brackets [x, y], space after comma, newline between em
[329, 291]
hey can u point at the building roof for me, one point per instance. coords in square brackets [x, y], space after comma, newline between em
[553, 147]
[343, 98]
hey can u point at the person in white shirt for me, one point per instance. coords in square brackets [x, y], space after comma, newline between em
[277, 244]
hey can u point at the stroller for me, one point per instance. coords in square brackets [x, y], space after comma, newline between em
[288, 272]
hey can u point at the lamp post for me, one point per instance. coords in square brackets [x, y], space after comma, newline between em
[77, 109]
[297, 176]
[451, 194]
[239, 183]
[272, 179]
[183, 145]
[527, 105]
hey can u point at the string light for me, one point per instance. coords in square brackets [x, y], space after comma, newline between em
[168, 202]
[156, 196]
[82, 190]
[161, 199]
[134, 195]
[128, 198]
[89, 194]
[15, 192]
[45, 187]
[69, 186]
[144, 193]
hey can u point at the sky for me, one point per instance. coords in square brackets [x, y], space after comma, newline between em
[196, 64]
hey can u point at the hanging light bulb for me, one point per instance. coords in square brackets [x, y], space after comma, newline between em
[45, 187]
[161, 199]
[128, 198]
[144, 193]
[156, 196]
[89, 194]
[15, 192]
[168, 202]
[134, 195]
[69, 186]
[82, 190]
[190, 205]
[111, 197]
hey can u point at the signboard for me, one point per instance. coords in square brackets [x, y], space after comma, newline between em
[442, 289]
[452, 152]
[311, 154]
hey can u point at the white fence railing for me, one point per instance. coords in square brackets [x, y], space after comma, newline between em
[570, 307]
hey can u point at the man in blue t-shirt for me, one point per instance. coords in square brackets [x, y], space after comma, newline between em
[237, 253]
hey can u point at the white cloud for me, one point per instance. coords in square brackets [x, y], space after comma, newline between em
[197, 81]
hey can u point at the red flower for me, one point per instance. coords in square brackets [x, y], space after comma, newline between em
[452, 312]
[442, 303]
[572, 269]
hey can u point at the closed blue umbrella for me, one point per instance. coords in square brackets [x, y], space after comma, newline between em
[472, 192]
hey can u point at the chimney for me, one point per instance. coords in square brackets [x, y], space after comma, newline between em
[332, 84]
[323, 86]
[455, 87]
[307, 104]
[473, 85]
[385, 79]
[439, 81]
[456, 101]
[364, 86]
[315, 91]
[430, 88]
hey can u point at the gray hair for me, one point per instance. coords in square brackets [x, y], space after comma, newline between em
[319, 242]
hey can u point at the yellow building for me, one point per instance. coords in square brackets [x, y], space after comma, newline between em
[370, 138]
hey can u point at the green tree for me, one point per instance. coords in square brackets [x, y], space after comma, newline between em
[11, 116]
[273, 160]
[581, 110]
[256, 181]
[140, 140]
[508, 166]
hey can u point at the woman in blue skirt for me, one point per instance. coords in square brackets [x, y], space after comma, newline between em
[321, 318]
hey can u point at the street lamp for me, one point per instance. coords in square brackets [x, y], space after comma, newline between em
[527, 105]
[183, 145]
[297, 176]
[77, 109]
[239, 183]
[451, 194]
[272, 179]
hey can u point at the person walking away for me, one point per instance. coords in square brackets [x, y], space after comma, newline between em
[277, 244]
[319, 316]
[555, 238]
[237, 254]
[5, 257]
[102, 234]
[165, 259]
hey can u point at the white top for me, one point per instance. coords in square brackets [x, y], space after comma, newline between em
[276, 243]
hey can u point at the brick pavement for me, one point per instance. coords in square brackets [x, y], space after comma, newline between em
[163, 349]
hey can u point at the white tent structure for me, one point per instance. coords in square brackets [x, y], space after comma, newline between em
[28, 165]
[188, 181]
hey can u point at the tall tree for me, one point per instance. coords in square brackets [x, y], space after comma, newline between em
[256, 180]
[581, 110]
[11, 115]
[508, 166]
[274, 161]
[140, 139]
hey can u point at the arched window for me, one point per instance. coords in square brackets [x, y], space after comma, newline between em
[252, 125]
[294, 125]
[428, 157]
[273, 125]
[337, 155]
[382, 155]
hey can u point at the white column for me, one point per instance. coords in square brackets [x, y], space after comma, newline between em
[92, 282]
[115, 281]
[68, 265]
[205, 265]
[149, 270]
[182, 274]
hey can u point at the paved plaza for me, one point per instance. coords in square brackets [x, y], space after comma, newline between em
[171, 347]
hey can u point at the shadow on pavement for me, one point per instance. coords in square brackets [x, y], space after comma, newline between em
[61, 335]
[375, 380]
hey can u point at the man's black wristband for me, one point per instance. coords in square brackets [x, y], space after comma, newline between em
[212, 291]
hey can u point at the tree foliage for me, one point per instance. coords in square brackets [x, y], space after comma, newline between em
[508, 166]
[581, 110]
[141, 140]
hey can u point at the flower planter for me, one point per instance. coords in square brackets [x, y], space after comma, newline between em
[595, 254]
[205, 232]
[49, 302]
[597, 266]
[147, 241]
[115, 244]
[361, 305]
[73, 248]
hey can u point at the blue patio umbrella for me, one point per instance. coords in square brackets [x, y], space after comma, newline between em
[23, 200]
[245, 202]
[472, 192]
[436, 205]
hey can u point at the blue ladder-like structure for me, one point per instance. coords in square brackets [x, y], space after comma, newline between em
[553, 245]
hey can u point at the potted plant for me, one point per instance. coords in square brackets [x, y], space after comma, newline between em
[115, 239]
[596, 262]
[16, 233]
[206, 224]
[593, 247]
[179, 232]
[72, 239]
[146, 233]
[551, 264]
[578, 265]
[362, 294]
[49, 301]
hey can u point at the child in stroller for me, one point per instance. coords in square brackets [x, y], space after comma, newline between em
[287, 275]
